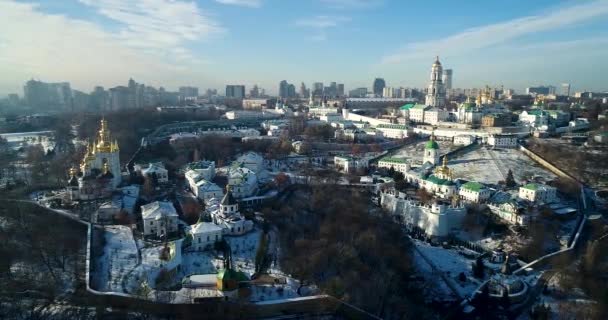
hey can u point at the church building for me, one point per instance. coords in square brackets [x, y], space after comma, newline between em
[99, 173]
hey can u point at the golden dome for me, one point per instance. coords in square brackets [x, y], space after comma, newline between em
[437, 63]
[103, 141]
[444, 171]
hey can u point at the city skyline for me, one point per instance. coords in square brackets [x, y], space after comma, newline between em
[209, 44]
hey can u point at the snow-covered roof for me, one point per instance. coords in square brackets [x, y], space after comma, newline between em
[158, 209]
[154, 167]
[245, 175]
[205, 185]
[250, 158]
[205, 227]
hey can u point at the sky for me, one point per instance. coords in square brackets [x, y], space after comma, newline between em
[211, 43]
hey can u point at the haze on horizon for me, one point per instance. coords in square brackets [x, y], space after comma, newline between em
[216, 42]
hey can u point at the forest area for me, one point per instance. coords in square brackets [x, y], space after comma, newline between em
[328, 237]
[42, 264]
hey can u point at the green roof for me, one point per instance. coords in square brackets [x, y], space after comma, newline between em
[407, 106]
[393, 160]
[229, 274]
[431, 144]
[392, 126]
[439, 181]
[531, 186]
[473, 186]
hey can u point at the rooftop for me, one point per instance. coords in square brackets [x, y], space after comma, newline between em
[392, 126]
[393, 160]
[473, 186]
[204, 227]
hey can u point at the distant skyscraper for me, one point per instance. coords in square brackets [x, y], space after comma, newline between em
[341, 89]
[283, 88]
[388, 92]
[379, 85]
[211, 92]
[291, 91]
[120, 98]
[317, 89]
[544, 90]
[447, 78]
[255, 91]
[187, 93]
[565, 89]
[40, 94]
[303, 91]
[13, 99]
[235, 91]
[435, 95]
[98, 100]
[358, 93]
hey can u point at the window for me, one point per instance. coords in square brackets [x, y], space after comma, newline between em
[151, 223]
[199, 240]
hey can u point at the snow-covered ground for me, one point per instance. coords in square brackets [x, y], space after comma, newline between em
[490, 166]
[450, 263]
[120, 268]
[415, 151]
[120, 256]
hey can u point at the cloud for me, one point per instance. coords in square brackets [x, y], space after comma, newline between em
[351, 4]
[499, 33]
[320, 24]
[57, 48]
[157, 24]
[322, 21]
[243, 3]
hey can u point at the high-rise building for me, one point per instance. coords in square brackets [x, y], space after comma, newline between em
[303, 91]
[357, 93]
[13, 99]
[80, 100]
[210, 93]
[188, 93]
[388, 92]
[544, 90]
[235, 91]
[435, 95]
[447, 78]
[291, 91]
[317, 89]
[340, 90]
[283, 88]
[40, 94]
[565, 89]
[254, 92]
[120, 98]
[379, 85]
[98, 100]
[151, 96]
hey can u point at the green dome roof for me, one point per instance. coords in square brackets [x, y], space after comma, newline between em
[431, 145]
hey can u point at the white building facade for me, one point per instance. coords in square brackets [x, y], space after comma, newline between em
[436, 95]
[538, 193]
[159, 218]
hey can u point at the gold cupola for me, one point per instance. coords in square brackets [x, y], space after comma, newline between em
[103, 140]
[444, 172]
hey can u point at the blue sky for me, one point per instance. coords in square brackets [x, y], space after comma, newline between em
[209, 43]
